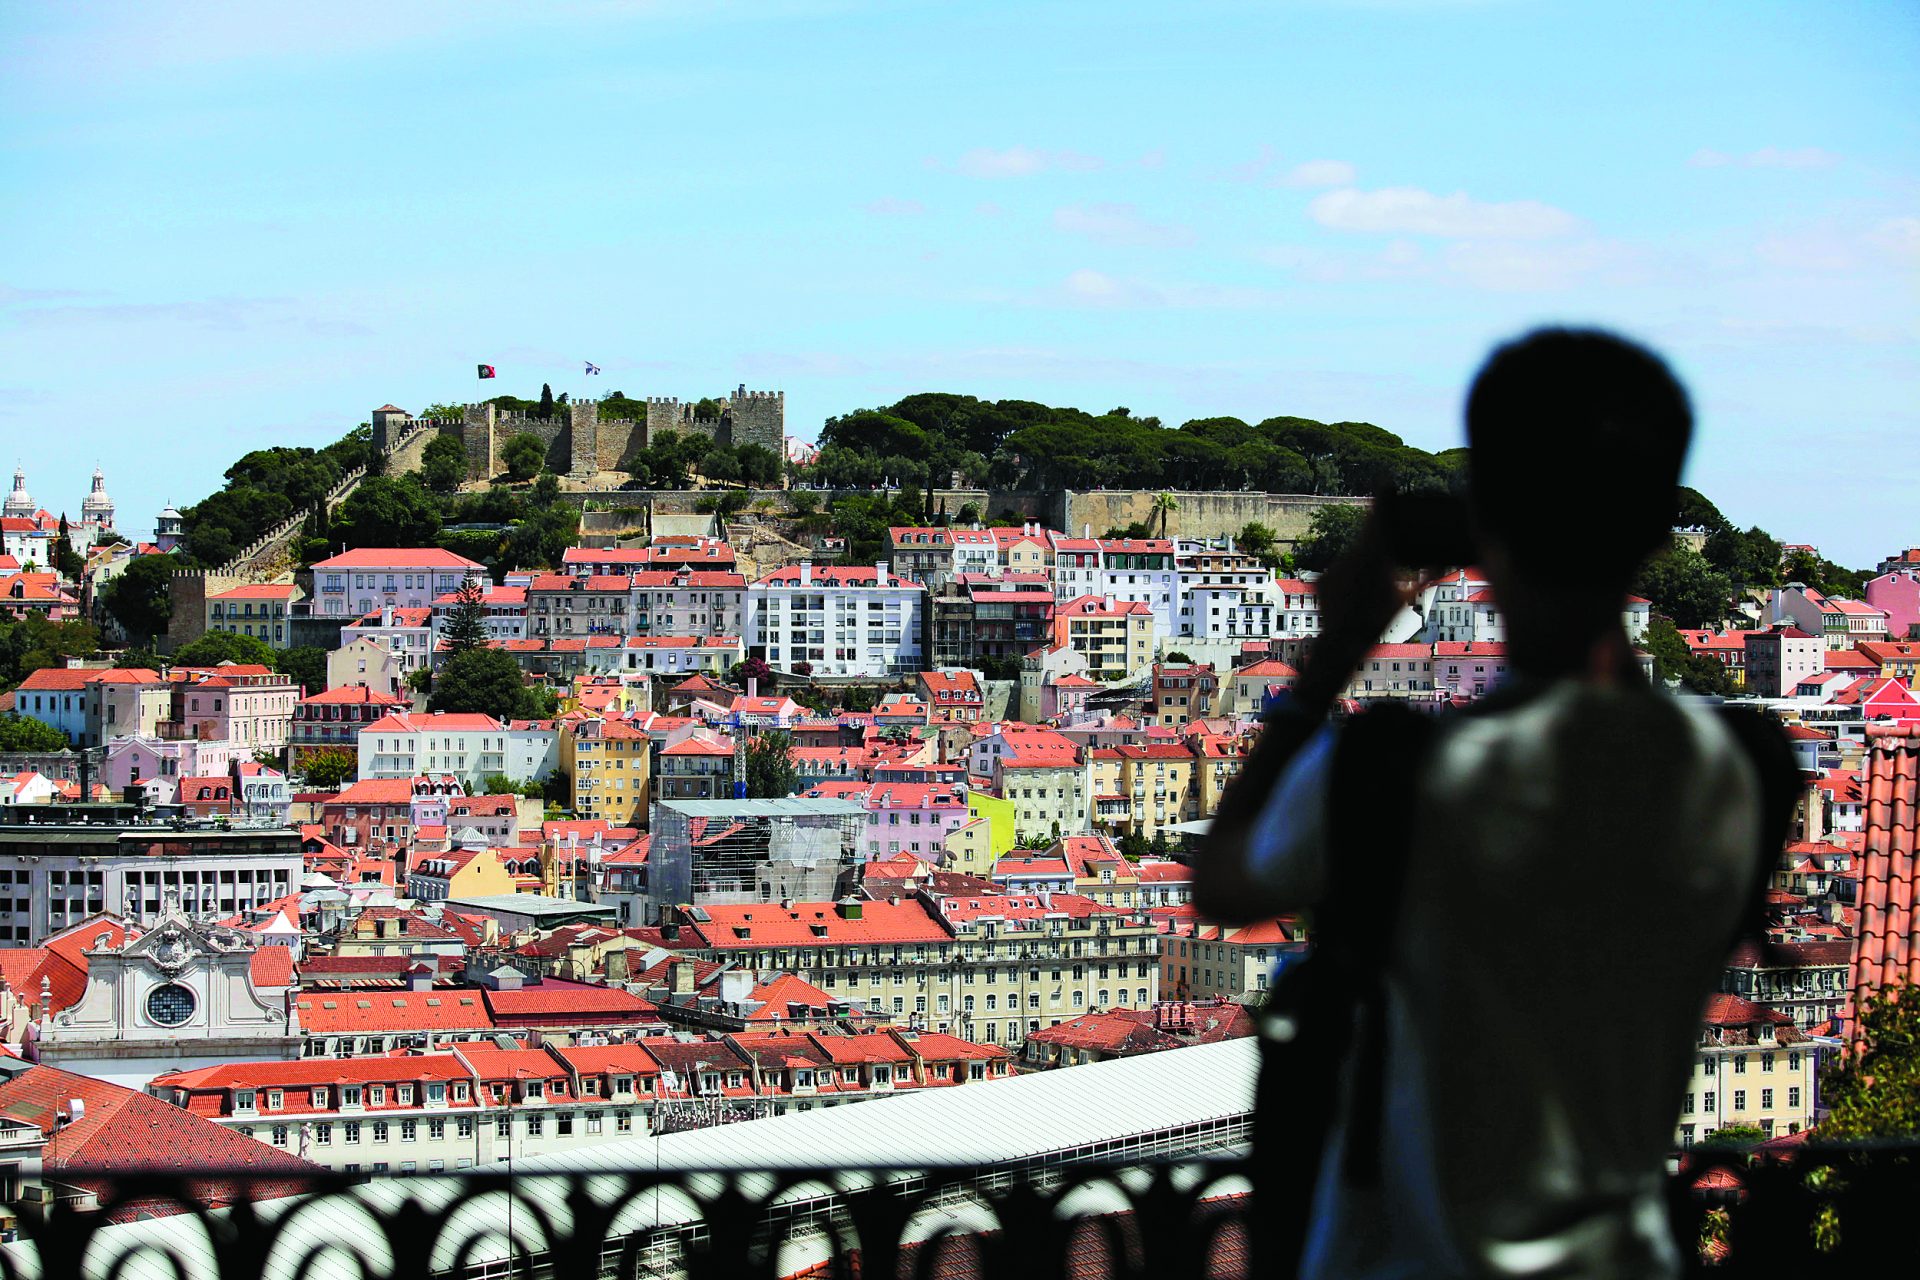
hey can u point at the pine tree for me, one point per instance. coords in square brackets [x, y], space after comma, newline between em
[466, 627]
[546, 401]
[770, 769]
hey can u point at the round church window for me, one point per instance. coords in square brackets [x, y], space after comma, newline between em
[170, 1005]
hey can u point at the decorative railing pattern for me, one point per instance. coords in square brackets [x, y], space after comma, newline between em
[1736, 1215]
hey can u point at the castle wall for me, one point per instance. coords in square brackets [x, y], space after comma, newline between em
[477, 435]
[1200, 515]
[618, 440]
[759, 417]
[554, 434]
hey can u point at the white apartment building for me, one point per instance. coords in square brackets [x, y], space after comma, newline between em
[406, 634]
[505, 608]
[408, 744]
[1221, 593]
[1141, 571]
[355, 583]
[688, 602]
[844, 621]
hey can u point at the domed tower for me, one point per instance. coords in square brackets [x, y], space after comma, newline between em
[170, 530]
[96, 509]
[19, 503]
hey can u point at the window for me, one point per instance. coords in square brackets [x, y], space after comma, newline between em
[1739, 1099]
[536, 1126]
[1793, 1096]
[409, 1130]
[1707, 1101]
[436, 1129]
[350, 1131]
[323, 1134]
[464, 1127]
[1766, 1099]
[243, 1100]
[380, 1130]
[1740, 1064]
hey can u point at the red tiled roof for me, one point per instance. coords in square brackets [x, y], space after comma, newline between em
[1889, 895]
[364, 1012]
[398, 558]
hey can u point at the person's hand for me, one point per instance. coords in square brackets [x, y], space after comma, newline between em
[1359, 595]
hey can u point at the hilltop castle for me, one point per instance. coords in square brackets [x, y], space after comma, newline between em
[580, 443]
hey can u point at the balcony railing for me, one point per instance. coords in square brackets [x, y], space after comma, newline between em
[1733, 1214]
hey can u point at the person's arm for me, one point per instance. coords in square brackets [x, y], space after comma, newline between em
[1239, 877]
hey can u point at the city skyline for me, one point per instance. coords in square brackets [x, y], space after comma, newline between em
[232, 230]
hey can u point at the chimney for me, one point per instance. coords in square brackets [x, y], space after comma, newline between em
[879, 573]
[670, 931]
[680, 978]
[753, 686]
[386, 615]
[1086, 530]
[806, 573]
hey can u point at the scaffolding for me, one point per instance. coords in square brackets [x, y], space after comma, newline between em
[719, 852]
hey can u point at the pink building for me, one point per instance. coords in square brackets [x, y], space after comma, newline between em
[246, 704]
[163, 762]
[1897, 594]
[914, 818]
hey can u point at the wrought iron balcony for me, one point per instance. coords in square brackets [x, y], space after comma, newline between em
[1734, 1215]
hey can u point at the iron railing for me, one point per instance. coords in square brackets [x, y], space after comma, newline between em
[1734, 1214]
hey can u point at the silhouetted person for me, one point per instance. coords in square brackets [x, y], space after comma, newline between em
[1579, 850]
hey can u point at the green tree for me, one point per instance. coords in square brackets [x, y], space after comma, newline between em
[771, 773]
[1329, 531]
[546, 402]
[444, 412]
[720, 464]
[466, 626]
[66, 561]
[1164, 505]
[21, 733]
[388, 511]
[1260, 541]
[1750, 559]
[138, 596]
[329, 768]
[487, 682]
[523, 455]
[305, 665]
[759, 465]
[443, 464]
[1735, 1135]
[707, 410]
[1673, 660]
[216, 647]
[1684, 587]
[1874, 1090]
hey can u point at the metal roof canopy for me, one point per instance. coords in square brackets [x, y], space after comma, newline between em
[1061, 1112]
[782, 807]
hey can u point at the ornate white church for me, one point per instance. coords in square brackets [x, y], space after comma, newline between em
[28, 529]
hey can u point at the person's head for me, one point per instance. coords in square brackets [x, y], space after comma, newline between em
[1576, 439]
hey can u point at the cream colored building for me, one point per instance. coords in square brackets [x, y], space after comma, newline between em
[1754, 1068]
[990, 968]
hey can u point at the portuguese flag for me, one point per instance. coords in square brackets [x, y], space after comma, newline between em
[486, 371]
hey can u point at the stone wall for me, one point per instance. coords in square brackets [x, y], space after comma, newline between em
[1199, 515]
[759, 417]
[188, 592]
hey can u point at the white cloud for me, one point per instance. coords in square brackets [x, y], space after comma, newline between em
[1411, 211]
[1097, 288]
[1321, 173]
[1764, 158]
[989, 209]
[1020, 162]
[1118, 224]
[890, 207]
[1899, 239]
[1154, 159]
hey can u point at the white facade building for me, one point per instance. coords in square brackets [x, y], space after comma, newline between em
[407, 744]
[855, 621]
[356, 583]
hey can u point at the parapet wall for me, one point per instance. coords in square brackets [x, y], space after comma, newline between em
[1199, 515]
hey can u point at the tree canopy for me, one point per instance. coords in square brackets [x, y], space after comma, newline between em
[443, 464]
[216, 647]
[523, 455]
[22, 733]
[328, 768]
[1683, 586]
[34, 641]
[137, 596]
[487, 682]
[466, 627]
[1329, 531]
[1874, 1092]
[771, 772]
[387, 511]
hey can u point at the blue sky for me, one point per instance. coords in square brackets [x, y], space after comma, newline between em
[226, 225]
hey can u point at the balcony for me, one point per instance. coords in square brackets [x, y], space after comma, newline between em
[1823, 1208]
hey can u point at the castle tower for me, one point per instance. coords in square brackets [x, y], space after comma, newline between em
[96, 509]
[19, 503]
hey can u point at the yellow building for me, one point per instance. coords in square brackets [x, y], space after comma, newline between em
[969, 846]
[1115, 636]
[1141, 789]
[609, 766]
[1754, 1069]
[1217, 761]
[999, 815]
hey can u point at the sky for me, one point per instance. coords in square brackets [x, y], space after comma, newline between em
[228, 225]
